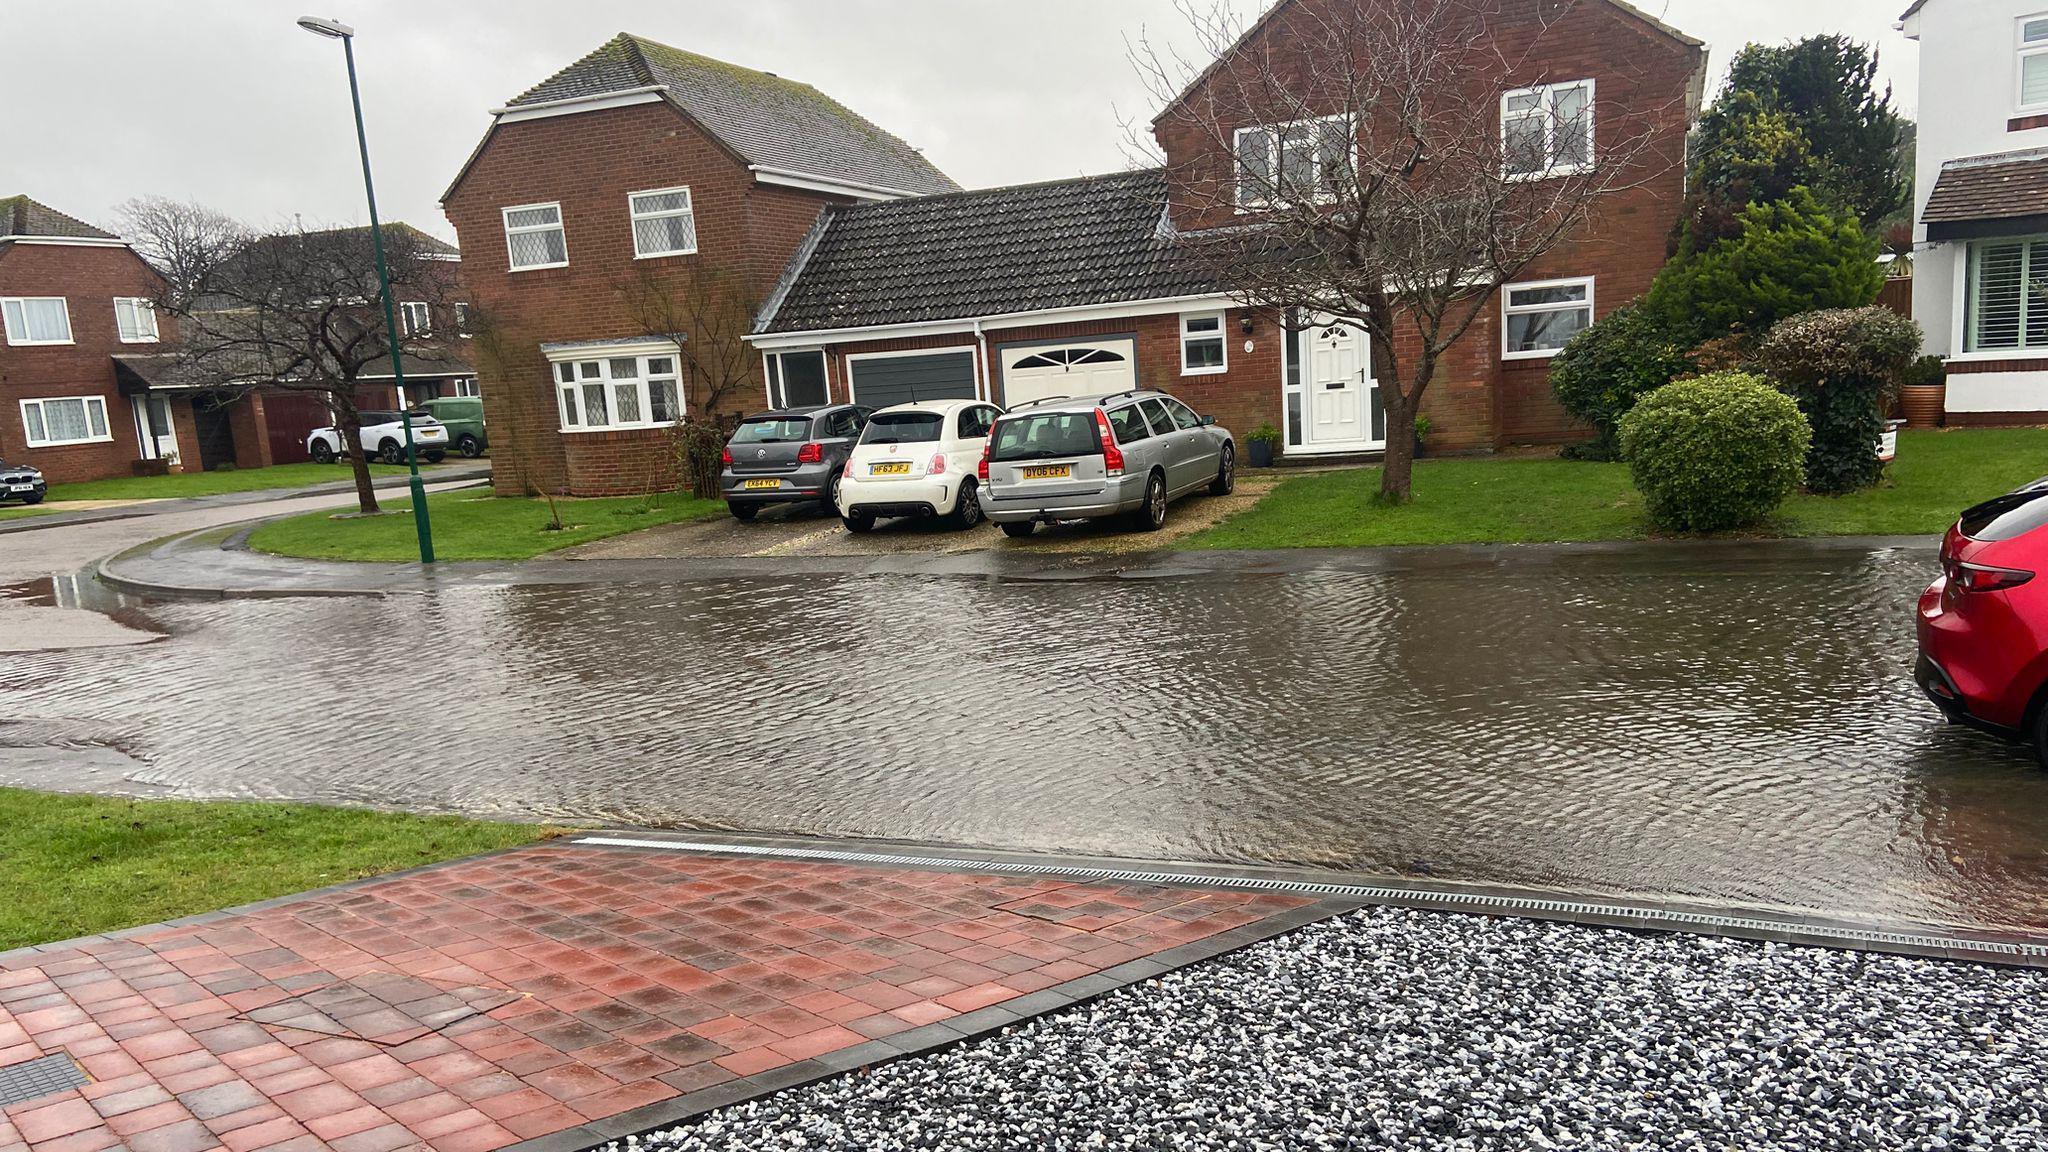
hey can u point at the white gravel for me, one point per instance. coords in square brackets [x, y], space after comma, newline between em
[1390, 1029]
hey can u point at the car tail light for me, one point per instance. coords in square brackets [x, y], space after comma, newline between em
[1112, 456]
[725, 455]
[811, 454]
[982, 470]
[1984, 578]
[938, 465]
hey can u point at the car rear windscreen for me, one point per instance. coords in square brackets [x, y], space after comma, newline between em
[1046, 436]
[772, 431]
[2004, 517]
[903, 428]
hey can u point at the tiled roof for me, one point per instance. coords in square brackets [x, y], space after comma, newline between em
[769, 121]
[1096, 240]
[1989, 188]
[21, 216]
[394, 232]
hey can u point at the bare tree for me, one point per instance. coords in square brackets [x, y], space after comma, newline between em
[1349, 160]
[293, 310]
[707, 310]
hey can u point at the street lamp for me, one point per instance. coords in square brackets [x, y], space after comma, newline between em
[336, 30]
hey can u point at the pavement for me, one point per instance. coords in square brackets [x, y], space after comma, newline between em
[553, 997]
[75, 512]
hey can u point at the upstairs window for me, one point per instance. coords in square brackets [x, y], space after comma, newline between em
[135, 320]
[1540, 317]
[2006, 305]
[1308, 160]
[1201, 344]
[664, 224]
[462, 320]
[36, 319]
[2033, 63]
[534, 237]
[1547, 131]
[415, 318]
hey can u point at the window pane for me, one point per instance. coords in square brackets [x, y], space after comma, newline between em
[530, 248]
[803, 378]
[33, 414]
[1298, 161]
[96, 414]
[1544, 331]
[1524, 102]
[566, 373]
[48, 319]
[17, 325]
[664, 234]
[591, 370]
[1571, 140]
[1995, 313]
[625, 368]
[1524, 145]
[650, 203]
[1555, 294]
[661, 402]
[66, 419]
[593, 406]
[2034, 79]
[1207, 353]
[626, 403]
[1255, 165]
[533, 217]
[1129, 425]
[569, 419]
[1204, 323]
[661, 366]
[2035, 32]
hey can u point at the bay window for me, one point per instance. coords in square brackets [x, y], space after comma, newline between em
[617, 392]
[65, 420]
[2006, 299]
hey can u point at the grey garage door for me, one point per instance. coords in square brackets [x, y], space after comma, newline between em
[902, 379]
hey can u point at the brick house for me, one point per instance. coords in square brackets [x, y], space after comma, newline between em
[1010, 294]
[638, 182]
[72, 297]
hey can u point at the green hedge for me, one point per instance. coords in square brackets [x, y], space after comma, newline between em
[1841, 365]
[1716, 452]
[1604, 370]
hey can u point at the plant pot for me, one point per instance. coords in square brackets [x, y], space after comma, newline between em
[1421, 449]
[1923, 404]
[1261, 453]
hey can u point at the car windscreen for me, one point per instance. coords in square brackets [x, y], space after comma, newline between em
[773, 430]
[903, 428]
[1046, 436]
[2004, 517]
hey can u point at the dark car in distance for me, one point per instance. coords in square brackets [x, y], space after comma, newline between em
[790, 456]
[23, 483]
[1983, 624]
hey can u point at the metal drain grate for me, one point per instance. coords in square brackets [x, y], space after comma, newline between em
[1536, 907]
[34, 1079]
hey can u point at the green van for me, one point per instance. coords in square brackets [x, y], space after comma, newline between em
[464, 416]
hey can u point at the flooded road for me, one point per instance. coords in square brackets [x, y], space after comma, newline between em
[1731, 730]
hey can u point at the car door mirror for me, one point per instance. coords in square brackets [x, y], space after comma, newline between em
[1207, 421]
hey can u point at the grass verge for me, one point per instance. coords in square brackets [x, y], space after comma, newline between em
[1494, 501]
[186, 484]
[77, 865]
[472, 524]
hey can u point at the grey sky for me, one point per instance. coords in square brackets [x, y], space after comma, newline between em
[226, 102]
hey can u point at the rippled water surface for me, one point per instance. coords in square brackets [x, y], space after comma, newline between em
[1735, 731]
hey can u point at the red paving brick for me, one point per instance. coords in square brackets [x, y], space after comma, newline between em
[485, 1002]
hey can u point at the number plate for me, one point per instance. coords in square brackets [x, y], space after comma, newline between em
[898, 468]
[753, 485]
[21, 487]
[1049, 472]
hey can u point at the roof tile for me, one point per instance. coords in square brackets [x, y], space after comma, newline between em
[21, 216]
[1991, 189]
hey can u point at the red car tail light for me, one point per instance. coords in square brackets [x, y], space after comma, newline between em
[1984, 578]
[938, 465]
[725, 455]
[1112, 456]
[982, 470]
[811, 454]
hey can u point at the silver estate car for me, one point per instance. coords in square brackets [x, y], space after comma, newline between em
[1084, 458]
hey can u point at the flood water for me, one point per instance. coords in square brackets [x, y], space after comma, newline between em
[1735, 731]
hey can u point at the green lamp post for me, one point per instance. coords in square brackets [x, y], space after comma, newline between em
[336, 30]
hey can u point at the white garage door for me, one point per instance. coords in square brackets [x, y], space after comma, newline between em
[1081, 369]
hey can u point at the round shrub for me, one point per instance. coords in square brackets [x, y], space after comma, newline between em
[1842, 366]
[1604, 370]
[1715, 452]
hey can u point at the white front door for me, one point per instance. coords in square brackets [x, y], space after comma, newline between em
[1090, 369]
[1343, 398]
[157, 436]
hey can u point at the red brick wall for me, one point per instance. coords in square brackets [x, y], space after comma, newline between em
[89, 277]
[590, 163]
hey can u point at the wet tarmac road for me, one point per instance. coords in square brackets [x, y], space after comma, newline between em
[1741, 731]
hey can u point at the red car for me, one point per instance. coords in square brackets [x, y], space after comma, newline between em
[1984, 624]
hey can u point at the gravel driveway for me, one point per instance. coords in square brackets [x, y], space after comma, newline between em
[1392, 1029]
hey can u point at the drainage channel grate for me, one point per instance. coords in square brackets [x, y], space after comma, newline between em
[1471, 901]
[35, 1079]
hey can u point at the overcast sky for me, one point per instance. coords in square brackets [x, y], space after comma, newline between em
[228, 103]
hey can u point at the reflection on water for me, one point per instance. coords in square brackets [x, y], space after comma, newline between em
[1743, 732]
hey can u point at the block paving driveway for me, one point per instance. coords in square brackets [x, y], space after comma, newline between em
[486, 1002]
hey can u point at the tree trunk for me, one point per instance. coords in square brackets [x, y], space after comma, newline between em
[1396, 474]
[348, 427]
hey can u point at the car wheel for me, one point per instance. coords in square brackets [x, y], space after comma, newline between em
[831, 501]
[1019, 529]
[323, 452]
[967, 506]
[469, 446]
[744, 513]
[436, 457]
[33, 498]
[391, 452]
[859, 522]
[1151, 515]
[1226, 473]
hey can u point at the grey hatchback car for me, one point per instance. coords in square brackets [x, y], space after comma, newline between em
[790, 456]
[1128, 454]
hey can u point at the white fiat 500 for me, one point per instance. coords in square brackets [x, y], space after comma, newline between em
[917, 460]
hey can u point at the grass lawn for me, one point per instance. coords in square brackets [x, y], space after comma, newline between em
[472, 524]
[76, 865]
[18, 511]
[184, 484]
[1484, 501]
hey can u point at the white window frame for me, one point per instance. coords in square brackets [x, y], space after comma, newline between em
[775, 382]
[415, 318]
[1508, 309]
[90, 402]
[634, 216]
[466, 388]
[602, 358]
[20, 339]
[1221, 336]
[142, 309]
[1968, 316]
[1276, 155]
[2024, 51]
[461, 310]
[561, 225]
[1544, 101]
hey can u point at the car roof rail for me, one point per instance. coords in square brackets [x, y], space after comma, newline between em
[1037, 402]
[1121, 395]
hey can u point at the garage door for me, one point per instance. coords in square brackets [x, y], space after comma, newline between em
[902, 379]
[1090, 369]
